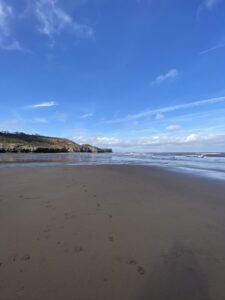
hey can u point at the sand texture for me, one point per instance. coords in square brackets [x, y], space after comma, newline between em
[110, 233]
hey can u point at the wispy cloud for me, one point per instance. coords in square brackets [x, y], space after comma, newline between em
[7, 41]
[6, 12]
[88, 115]
[171, 74]
[210, 4]
[159, 116]
[13, 124]
[153, 112]
[43, 105]
[53, 20]
[212, 49]
[109, 141]
[173, 127]
[184, 139]
[60, 117]
[41, 120]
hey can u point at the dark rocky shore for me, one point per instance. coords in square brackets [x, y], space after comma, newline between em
[26, 143]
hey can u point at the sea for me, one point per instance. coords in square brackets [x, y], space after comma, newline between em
[211, 165]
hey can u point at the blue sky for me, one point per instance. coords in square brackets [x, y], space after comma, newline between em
[134, 75]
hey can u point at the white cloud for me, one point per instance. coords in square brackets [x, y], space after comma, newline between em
[107, 140]
[88, 115]
[42, 105]
[153, 112]
[7, 41]
[159, 116]
[157, 142]
[173, 127]
[171, 74]
[53, 20]
[190, 138]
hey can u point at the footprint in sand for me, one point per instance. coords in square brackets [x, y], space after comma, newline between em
[69, 215]
[48, 204]
[131, 261]
[140, 270]
[111, 238]
[14, 258]
[46, 230]
[78, 249]
[26, 257]
[21, 289]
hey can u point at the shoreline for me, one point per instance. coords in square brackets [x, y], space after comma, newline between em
[110, 232]
[193, 172]
[199, 165]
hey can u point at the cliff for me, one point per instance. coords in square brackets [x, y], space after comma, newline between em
[25, 143]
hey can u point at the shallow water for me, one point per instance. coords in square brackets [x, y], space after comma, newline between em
[204, 164]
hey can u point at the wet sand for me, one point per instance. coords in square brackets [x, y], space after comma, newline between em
[110, 233]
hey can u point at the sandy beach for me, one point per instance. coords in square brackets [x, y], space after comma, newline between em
[110, 233]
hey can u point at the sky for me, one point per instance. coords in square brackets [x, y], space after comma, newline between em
[133, 75]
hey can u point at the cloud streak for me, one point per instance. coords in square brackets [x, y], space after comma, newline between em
[212, 49]
[151, 112]
[42, 105]
[88, 115]
[170, 75]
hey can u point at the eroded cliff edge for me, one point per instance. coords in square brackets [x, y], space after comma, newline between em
[25, 143]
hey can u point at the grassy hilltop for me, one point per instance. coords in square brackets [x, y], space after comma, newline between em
[22, 142]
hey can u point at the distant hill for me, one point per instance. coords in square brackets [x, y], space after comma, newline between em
[25, 143]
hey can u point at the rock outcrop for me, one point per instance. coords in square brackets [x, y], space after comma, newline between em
[25, 143]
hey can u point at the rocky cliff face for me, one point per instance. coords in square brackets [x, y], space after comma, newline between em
[25, 143]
